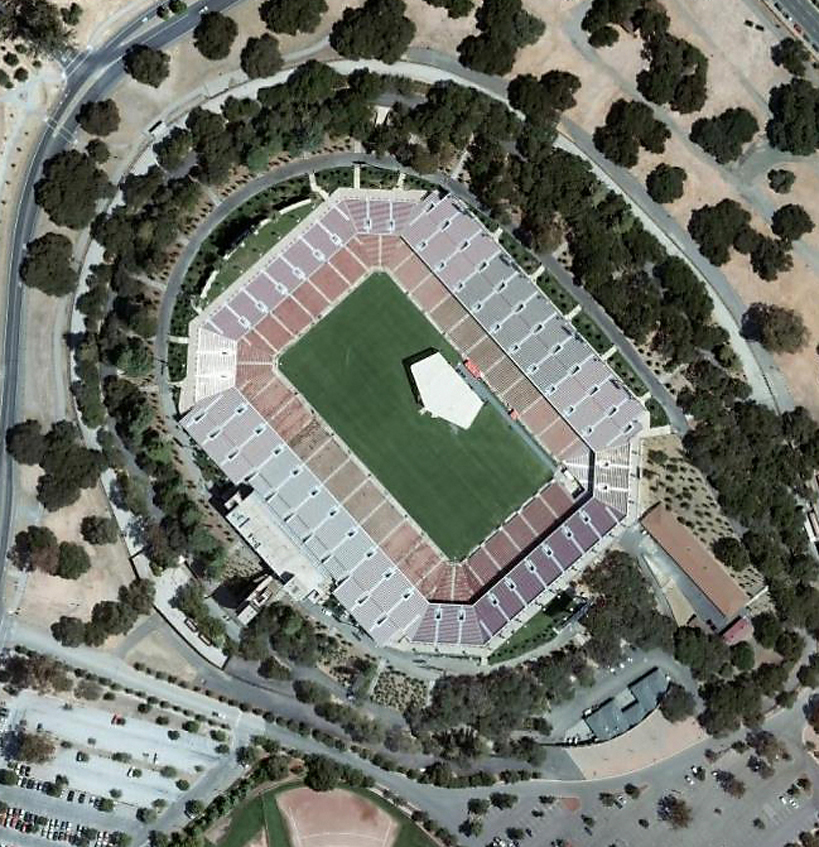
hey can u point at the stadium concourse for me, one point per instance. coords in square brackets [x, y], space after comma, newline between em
[263, 435]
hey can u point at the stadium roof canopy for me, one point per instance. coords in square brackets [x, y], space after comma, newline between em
[443, 392]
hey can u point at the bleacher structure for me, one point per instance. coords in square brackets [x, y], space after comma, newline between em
[384, 569]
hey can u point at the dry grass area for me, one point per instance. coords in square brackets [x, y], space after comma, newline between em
[669, 478]
[47, 597]
[399, 691]
[158, 651]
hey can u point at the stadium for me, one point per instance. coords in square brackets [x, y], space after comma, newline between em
[400, 401]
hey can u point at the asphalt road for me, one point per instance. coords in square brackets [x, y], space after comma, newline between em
[801, 13]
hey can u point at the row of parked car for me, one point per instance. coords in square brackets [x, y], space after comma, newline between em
[54, 829]
[26, 781]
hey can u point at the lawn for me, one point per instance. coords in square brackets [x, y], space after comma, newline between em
[245, 822]
[539, 629]
[457, 484]
[277, 835]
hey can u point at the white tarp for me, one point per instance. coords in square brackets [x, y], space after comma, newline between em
[443, 393]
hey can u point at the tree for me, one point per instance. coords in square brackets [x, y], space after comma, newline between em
[98, 150]
[48, 265]
[545, 99]
[724, 135]
[674, 811]
[714, 228]
[193, 808]
[742, 656]
[99, 117]
[174, 148]
[780, 180]
[677, 703]
[261, 57]
[35, 747]
[477, 805]
[792, 55]
[214, 35]
[769, 256]
[292, 16]
[794, 123]
[502, 799]
[25, 442]
[629, 126]
[665, 183]
[791, 222]
[377, 30]
[504, 27]
[70, 632]
[73, 561]
[36, 548]
[146, 65]
[70, 188]
[98, 529]
[776, 328]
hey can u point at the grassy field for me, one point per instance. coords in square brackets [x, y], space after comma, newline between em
[539, 629]
[458, 485]
[245, 822]
[277, 835]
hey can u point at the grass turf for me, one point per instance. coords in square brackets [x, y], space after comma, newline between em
[245, 822]
[458, 485]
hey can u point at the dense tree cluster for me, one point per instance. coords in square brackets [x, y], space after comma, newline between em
[39, 23]
[70, 188]
[504, 26]
[794, 123]
[791, 222]
[377, 30]
[20, 671]
[677, 71]
[48, 265]
[146, 65]
[292, 16]
[283, 629]
[68, 466]
[99, 117]
[108, 617]
[629, 126]
[624, 611]
[724, 135]
[214, 35]
[665, 183]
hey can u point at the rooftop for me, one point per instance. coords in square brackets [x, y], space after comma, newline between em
[696, 561]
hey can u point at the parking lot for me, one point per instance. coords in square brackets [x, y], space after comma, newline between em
[87, 737]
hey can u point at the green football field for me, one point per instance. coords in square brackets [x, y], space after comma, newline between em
[457, 484]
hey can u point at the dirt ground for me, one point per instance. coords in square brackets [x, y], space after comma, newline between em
[47, 597]
[158, 650]
[653, 740]
[335, 819]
